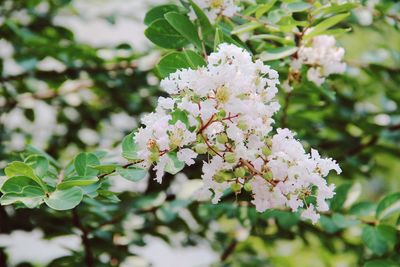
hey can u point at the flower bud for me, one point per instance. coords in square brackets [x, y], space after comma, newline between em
[266, 151]
[230, 157]
[248, 187]
[236, 187]
[267, 176]
[240, 172]
[154, 156]
[222, 138]
[242, 125]
[201, 148]
[221, 177]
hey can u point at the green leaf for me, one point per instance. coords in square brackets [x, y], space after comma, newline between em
[328, 224]
[298, 6]
[129, 147]
[345, 194]
[179, 60]
[161, 33]
[174, 165]
[33, 150]
[18, 168]
[278, 53]
[185, 27]
[158, 12]
[388, 205]
[333, 9]
[381, 263]
[133, 174]
[247, 27]
[344, 221]
[379, 239]
[77, 181]
[83, 164]
[65, 199]
[262, 9]
[16, 184]
[179, 115]
[207, 31]
[30, 196]
[106, 168]
[219, 38]
[363, 209]
[39, 164]
[326, 24]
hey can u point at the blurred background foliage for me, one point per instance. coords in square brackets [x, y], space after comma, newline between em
[77, 75]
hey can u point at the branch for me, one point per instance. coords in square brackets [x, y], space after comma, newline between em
[85, 239]
[229, 250]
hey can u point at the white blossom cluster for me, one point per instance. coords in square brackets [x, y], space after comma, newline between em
[323, 57]
[216, 8]
[224, 110]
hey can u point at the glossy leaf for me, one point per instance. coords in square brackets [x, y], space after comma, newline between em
[64, 199]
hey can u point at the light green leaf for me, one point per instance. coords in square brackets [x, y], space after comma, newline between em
[16, 184]
[174, 165]
[298, 6]
[164, 35]
[333, 9]
[133, 174]
[158, 12]
[64, 199]
[219, 38]
[106, 168]
[83, 164]
[179, 60]
[18, 168]
[324, 25]
[39, 164]
[77, 181]
[185, 27]
[129, 148]
[278, 53]
[247, 27]
[388, 205]
[262, 9]
[30, 196]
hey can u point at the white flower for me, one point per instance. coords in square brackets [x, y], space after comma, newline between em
[187, 155]
[215, 8]
[225, 110]
[323, 57]
[310, 214]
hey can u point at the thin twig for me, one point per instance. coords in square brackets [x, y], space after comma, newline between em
[229, 250]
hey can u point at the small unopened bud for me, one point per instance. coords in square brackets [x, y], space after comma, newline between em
[230, 157]
[267, 176]
[222, 138]
[266, 151]
[221, 177]
[248, 187]
[242, 125]
[240, 172]
[201, 148]
[236, 187]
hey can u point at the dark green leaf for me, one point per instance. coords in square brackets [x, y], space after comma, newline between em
[185, 27]
[163, 34]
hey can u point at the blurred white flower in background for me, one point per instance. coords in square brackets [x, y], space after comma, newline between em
[92, 24]
[24, 246]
